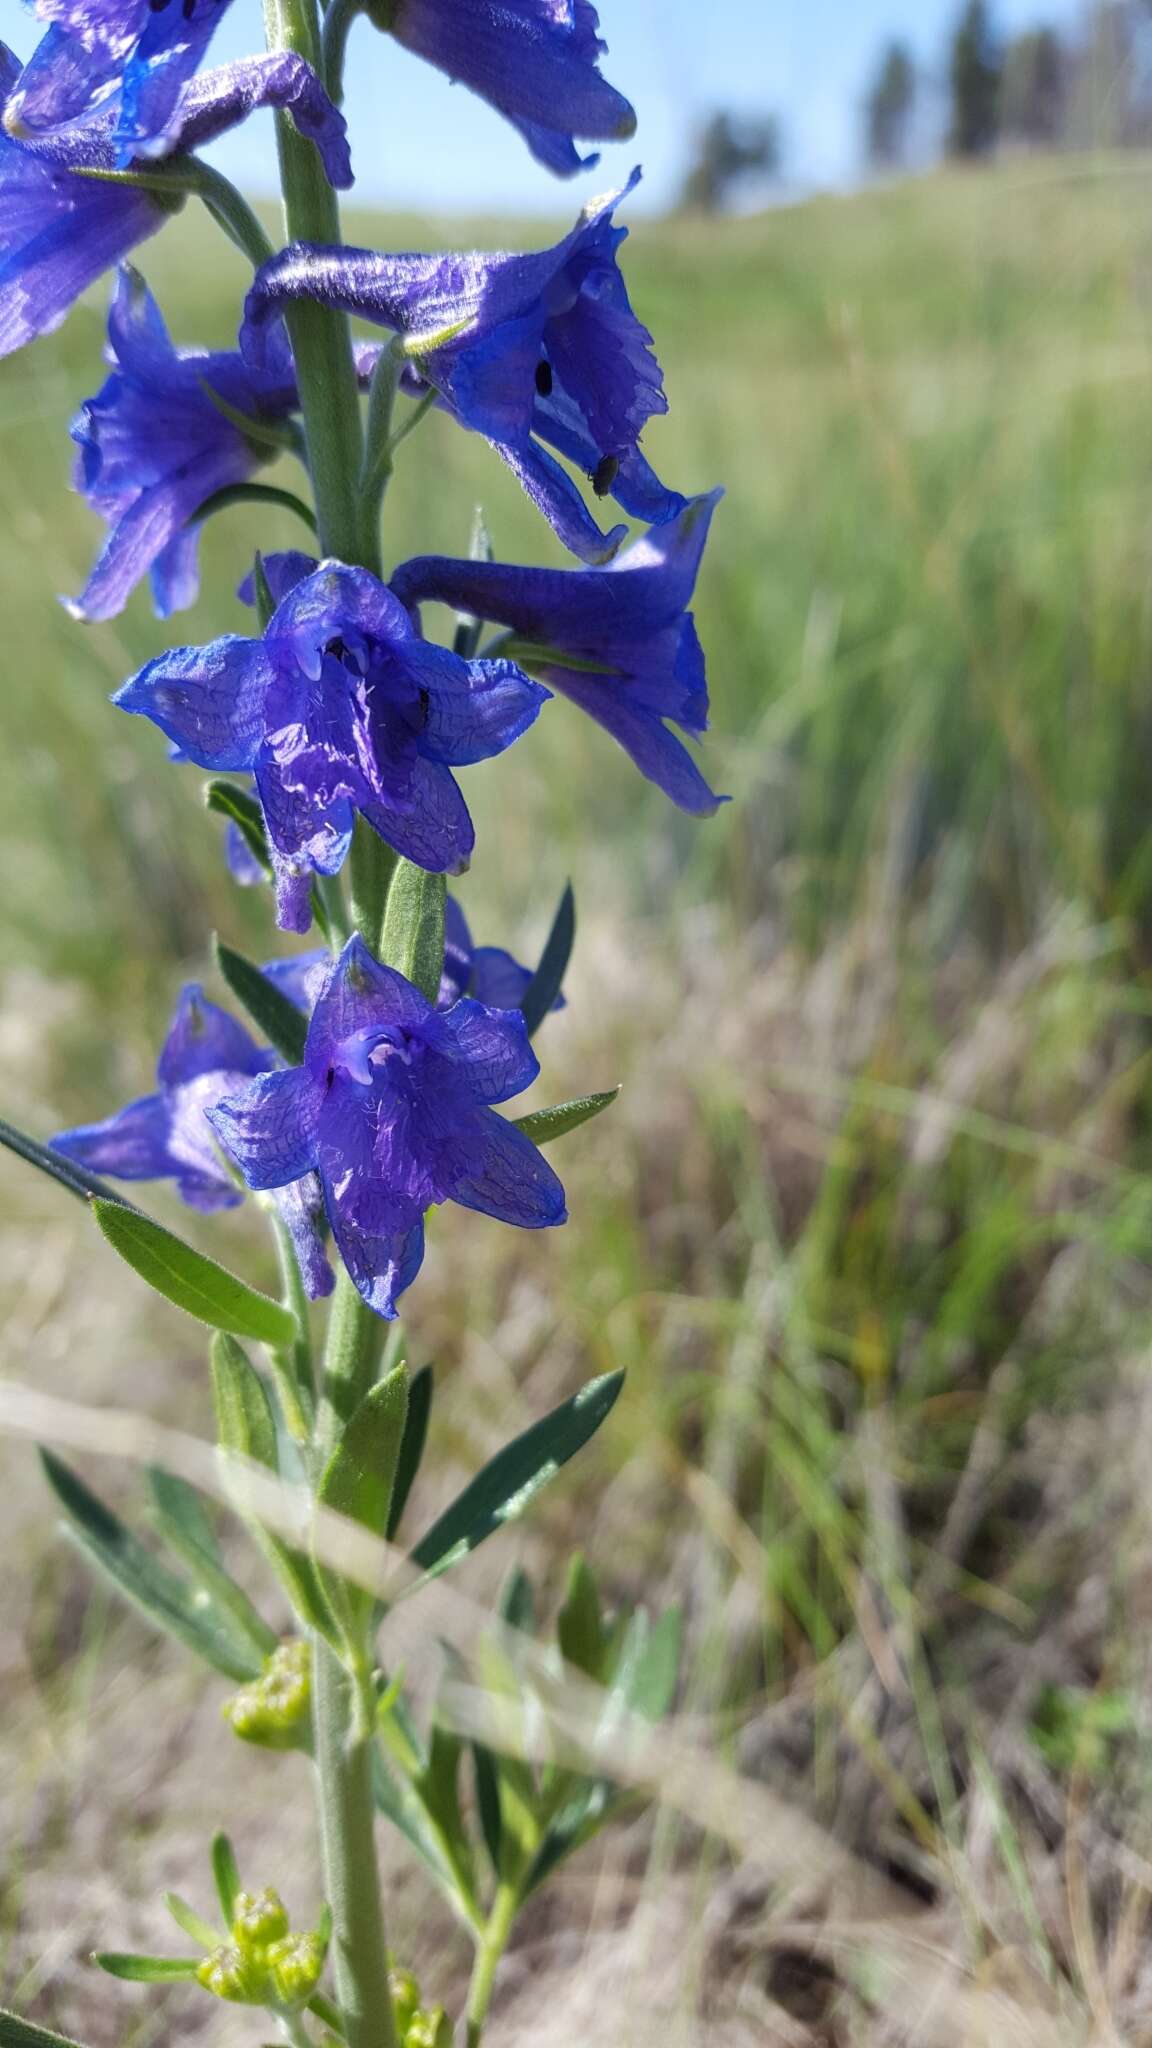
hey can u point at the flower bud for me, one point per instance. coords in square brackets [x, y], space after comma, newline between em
[430, 2029]
[231, 1973]
[258, 1919]
[295, 1965]
[405, 1998]
[274, 1709]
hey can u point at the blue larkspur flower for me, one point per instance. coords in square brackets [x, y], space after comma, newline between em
[62, 228]
[155, 445]
[393, 1108]
[340, 708]
[140, 53]
[167, 1135]
[488, 973]
[524, 349]
[619, 641]
[536, 61]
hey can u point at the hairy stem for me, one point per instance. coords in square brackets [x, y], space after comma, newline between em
[505, 1907]
[321, 338]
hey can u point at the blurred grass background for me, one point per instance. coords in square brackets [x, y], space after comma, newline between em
[870, 1227]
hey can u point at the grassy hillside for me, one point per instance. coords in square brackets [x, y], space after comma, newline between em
[870, 1226]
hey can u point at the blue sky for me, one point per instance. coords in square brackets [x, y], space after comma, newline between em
[420, 142]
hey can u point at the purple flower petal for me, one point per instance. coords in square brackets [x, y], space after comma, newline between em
[534, 60]
[493, 1050]
[301, 1204]
[131, 1145]
[209, 700]
[271, 1127]
[509, 1178]
[204, 1039]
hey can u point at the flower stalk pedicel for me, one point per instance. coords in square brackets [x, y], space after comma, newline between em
[370, 1082]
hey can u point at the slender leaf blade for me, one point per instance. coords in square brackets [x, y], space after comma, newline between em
[411, 1445]
[358, 1478]
[246, 1427]
[147, 1969]
[546, 1124]
[16, 2032]
[225, 1875]
[67, 1172]
[195, 1283]
[167, 1601]
[189, 1921]
[241, 808]
[278, 1019]
[182, 1519]
[503, 1489]
[552, 966]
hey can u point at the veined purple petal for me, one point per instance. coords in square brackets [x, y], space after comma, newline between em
[270, 1128]
[475, 709]
[492, 1049]
[509, 1178]
[458, 952]
[208, 700]
[657, 752]
[283, 572]
[300, 978]
[434, 830]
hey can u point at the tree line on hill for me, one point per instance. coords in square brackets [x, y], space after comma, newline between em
[1044, 88]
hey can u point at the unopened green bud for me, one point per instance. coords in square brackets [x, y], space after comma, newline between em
[231, 1973]
[431, 2029]
[296, 1966]
[257, 1919]
[405, 1998]
[274, 1709]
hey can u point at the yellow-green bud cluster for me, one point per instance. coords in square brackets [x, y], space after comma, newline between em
[274, 1709]
[417, 2026]
[264, 1963]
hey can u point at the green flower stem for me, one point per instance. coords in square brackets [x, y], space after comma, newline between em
[330, 403]
[372, 865]
[321, 338]
[505, 1907]
[347, 1827]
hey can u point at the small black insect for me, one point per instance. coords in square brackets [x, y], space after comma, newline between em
[544, 378]
[605, 474]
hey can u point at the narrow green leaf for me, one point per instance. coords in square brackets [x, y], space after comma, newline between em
[579, 1624]
[169, 1602]
[226, 1875]
[255, 494]
[279, 1021]
[189, 1921]
[358, 1478]
[75, 1178]
[413, 940]
[246, 1426]
[545, 1124]
[196, 1284]
[396, 1800]
[230, 801]
[548, 979]
[147, 1969]
[182, 1519]
[516, 1475]
[19, 2033]
[488, 1802]
[517, 1608]
[648, 1677]
[411, 1445]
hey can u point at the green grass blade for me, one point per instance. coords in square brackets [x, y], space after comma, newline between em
[277, 1019]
